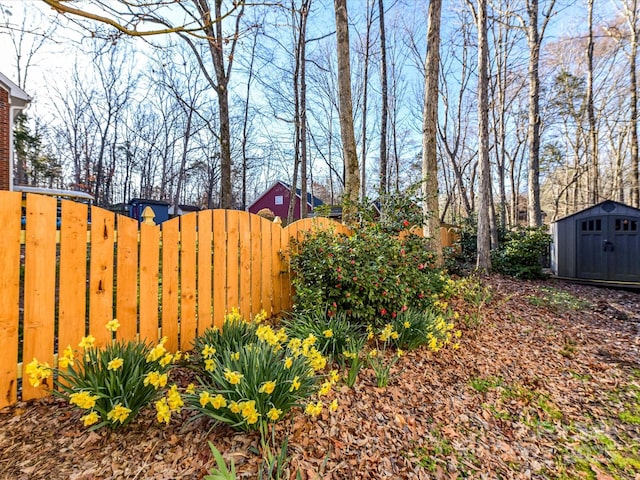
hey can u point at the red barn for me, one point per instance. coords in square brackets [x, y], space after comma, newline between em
[276, 198]
[12, 101]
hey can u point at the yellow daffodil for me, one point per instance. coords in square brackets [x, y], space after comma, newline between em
[163, 412]
[274, 414]
[248, 408]
[64, 362]
[157, 353]
[87, 342]
[191, 389]
[83, 400]
[288, 362]
[115, 364]
[119, 413]
[218, 402]
[205, 398]
[294, 345]
[267, 387]
[309, 341]
[325, 389]
[232, 377]
[314, 409]
[316, 360]
[407, 324]
[67, 358]
[282, 336]
[174, 399]
[209, 365]
[234, 407]
[260, 317]
[235, 356]
[113, 325]
[166, 359]
[252, 418]
[333, 406]
[156, 379]
[328, 333]
[233, 316]
[90, 418]
[295, 384]
[208, 351]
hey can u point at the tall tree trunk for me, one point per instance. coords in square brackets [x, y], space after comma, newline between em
[633, 98]
[385, 98]
[593, 136]
[222, 68]
[245, 122]
[351, 169]
[484, 191]
[430, 132]
[500, 113]
[183, 158]
[296, 119]
[365, 101]
[302, 56]
[533, 39]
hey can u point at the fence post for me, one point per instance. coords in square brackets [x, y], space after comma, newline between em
[148, 215]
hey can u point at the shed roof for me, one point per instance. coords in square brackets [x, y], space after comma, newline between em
[602, 205]
[147, 201]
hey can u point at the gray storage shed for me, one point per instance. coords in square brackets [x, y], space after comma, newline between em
[600, 243]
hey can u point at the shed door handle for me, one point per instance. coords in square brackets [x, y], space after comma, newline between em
[608, 246]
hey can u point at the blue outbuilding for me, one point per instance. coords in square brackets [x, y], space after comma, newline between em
[136, 207]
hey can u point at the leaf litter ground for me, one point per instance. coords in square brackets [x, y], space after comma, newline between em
[545, 385]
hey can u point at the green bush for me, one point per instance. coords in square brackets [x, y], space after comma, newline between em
[522, 252]
[371, 275]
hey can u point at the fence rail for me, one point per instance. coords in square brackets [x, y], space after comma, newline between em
[67, 269]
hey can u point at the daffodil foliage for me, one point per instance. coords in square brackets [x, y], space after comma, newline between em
[253, 375]
[111, 384]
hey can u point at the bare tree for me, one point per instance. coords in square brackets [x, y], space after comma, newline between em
[485, 201]
[430, 133]
[352, 170]
[593, 136]
[194, 21]
[535, 35]
[384, 113]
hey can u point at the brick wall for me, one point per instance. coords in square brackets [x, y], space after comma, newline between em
[5, 146]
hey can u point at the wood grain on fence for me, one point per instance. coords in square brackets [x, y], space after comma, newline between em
[78, 269]
[10, 296]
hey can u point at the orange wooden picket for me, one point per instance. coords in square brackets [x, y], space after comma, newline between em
[9, 297]
[66, 271]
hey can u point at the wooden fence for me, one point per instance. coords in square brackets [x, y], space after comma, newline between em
[67, 269]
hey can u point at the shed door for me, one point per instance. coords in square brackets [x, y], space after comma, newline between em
[609, 248]
[624, 234]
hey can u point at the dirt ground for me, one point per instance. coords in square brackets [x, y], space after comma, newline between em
[546, 384]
